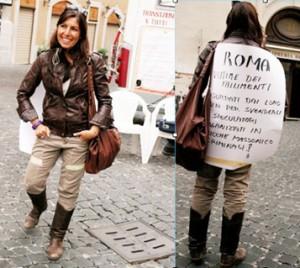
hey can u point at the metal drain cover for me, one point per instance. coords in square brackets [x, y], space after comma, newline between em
[135, 241]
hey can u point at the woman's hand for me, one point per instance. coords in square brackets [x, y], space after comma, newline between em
[87, 135]
[42, 131]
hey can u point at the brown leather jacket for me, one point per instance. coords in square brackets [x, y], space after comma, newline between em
[201, 60]
[65, 115]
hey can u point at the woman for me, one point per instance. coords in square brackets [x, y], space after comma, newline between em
[242, 28]
[65, 129]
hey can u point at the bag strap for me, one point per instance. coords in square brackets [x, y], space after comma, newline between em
[91, 90]
[207, 100]
[206, 66]
[198, 88]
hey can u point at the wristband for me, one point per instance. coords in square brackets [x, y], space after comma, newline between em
[35, 125]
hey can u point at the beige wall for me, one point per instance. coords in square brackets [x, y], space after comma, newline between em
[7, 13]
[111, 3]
[199, 21]
[123, 6]
[40, 37]
[103, 5]
[40, 25]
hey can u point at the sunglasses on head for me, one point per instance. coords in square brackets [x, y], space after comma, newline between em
[81, 10]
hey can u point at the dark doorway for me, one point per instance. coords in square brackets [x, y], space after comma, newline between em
[295, 94]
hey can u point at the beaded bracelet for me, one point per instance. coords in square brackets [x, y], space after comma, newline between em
[35, 125]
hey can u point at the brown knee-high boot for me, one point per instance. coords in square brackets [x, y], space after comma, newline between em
[198, 227]
[231, 254]
[58, 230]
[39, 203]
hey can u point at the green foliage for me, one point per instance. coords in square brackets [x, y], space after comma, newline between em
[41, 48]
[103, 52]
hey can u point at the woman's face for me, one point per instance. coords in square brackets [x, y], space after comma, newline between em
[68, 33]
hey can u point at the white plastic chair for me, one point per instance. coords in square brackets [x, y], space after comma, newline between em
[155, 135]
[125, 104]
[26, 134]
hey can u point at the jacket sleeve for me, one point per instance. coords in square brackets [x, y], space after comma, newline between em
[102, 118]
[32, 79]
[201, 60]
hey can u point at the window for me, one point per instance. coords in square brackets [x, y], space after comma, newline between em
[6, 2]
[168, 3]
[284, 27]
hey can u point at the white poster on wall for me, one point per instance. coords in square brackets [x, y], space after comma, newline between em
[156, 63]
[150, 35]
[248, 100]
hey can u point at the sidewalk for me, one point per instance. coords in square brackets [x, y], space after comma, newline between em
[128, 191]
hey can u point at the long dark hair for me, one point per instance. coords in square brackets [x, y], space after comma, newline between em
[81, 48]
[243, 18]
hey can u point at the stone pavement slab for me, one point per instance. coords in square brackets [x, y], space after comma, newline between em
[135, 241]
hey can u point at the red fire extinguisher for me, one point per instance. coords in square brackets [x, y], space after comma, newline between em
[122, 66]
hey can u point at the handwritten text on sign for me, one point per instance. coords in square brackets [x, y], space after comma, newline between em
[248, 99]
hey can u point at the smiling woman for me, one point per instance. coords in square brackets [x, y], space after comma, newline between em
[65, 129]
[71, 33]
[68, 33]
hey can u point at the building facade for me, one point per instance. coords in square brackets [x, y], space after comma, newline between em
[206, 20]
[26, 25]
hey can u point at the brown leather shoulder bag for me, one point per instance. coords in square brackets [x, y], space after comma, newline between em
[104, 148]
[192, 121]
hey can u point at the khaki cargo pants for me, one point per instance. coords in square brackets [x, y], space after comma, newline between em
[235, 189]
[44, 155]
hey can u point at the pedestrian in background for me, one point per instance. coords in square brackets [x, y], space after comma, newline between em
[65, 129]
[243, 27]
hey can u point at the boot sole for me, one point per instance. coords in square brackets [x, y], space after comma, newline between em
[35, 223]
[29, 228]
[54, 258]
[231, 265]
[199, 259]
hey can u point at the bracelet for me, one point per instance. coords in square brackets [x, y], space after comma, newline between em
[35, 125]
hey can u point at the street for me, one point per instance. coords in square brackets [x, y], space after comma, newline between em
[271, 230]
[128, 191]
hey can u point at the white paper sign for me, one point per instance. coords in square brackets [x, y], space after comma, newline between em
[26, 134]
[248, 100]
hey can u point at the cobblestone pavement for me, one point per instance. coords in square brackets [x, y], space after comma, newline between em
[127, 191]
[271, 230]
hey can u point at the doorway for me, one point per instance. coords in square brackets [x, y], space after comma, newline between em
[294, 110]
